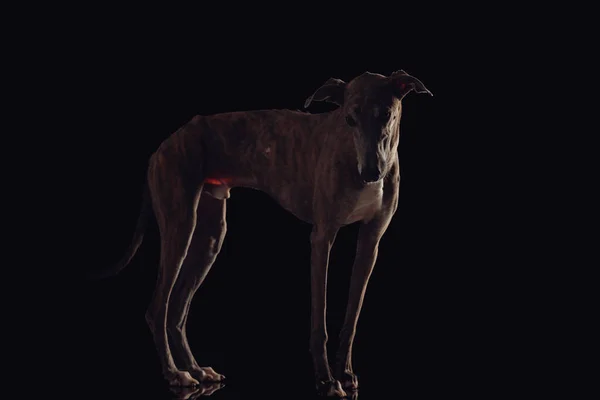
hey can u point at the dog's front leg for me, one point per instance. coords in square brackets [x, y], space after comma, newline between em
[321, 240]
[366, 255]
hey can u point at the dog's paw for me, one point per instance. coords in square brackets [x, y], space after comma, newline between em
[348, 380]
[181, 379]
[206, 374]
[330, 388]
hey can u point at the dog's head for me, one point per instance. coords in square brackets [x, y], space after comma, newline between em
[372, 107]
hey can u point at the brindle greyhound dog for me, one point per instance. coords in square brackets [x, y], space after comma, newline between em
[330, 169]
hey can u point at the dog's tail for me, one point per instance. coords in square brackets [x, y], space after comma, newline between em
[138, 237]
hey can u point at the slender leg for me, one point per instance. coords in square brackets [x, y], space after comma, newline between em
[321, 242]
[366, 256]
[174, 202]
[206, 244]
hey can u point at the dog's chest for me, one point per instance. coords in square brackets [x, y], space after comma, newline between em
[365, 203]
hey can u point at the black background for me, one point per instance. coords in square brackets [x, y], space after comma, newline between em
[434, 317]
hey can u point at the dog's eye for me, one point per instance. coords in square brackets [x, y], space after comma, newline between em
[350, 121]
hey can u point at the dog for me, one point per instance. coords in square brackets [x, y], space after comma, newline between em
[329, 169]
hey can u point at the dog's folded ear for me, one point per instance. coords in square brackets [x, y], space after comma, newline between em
[402, 83]
[331, 91]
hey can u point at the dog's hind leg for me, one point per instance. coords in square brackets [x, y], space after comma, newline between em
[175, 196]
[206, 243]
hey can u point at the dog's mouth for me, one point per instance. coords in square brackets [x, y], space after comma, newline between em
[371, 177]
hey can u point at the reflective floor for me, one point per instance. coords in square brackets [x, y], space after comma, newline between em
[417, 338]
[295, 381]
[260, 389]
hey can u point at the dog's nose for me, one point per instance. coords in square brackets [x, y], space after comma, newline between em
[369, 175]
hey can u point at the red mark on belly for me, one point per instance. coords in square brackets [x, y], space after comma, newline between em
[217, 181]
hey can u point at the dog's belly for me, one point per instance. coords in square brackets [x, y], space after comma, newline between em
[366, 203]
[295, 201]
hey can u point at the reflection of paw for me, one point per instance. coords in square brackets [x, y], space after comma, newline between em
[202, 389]
[331, 388]
[181, 379]
[206, 389]
[348, 380]
[206, 374]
